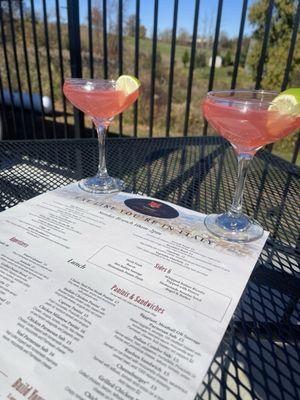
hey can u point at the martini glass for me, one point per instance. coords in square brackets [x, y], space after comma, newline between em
[101, 100]
[248, 120]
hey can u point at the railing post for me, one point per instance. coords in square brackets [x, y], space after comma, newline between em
[264, 49]
[75, 56]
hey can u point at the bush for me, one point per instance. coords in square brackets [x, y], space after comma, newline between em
[200, 60]
[228, 59]
[185, 58]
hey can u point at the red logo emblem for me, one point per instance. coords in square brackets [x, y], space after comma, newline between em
[153, 204]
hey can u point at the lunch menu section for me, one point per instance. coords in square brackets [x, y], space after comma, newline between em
[112, 297]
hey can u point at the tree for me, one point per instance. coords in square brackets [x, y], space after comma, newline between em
[143, 31]
[183, 36]
[166, 35]
[228, 58]
[245, 50]
[97, 18]
[185, 58]
[15, 8]
[224, 41]
[200, 60]
[130, 25]
[279, 40]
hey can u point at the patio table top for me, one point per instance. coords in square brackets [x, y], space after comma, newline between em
[259, 357]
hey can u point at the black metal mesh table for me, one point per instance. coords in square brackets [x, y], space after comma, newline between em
[259, 357]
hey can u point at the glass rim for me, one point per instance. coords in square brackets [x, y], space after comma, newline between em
[213, 94]
[84, 81]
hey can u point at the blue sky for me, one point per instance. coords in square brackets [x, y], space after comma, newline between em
[230, 21]
[231, 15]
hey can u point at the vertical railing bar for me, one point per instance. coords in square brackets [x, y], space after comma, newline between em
[215, 46]
[3, 38]
[37, 62]
[49, 67]
[75, 56]
[153, 68]
[172, 60]
[13, 38]
[105, 61]
[264, 45]
[136, 60]
[120, 48]
[33, 121]
[239, 45]
[292, 48]
[214, 55]
[3, 106]
[264, 52]
[296, 150]
[120, 36]
[61, 67]
[90, 38]
[91, 51]
[191, 70]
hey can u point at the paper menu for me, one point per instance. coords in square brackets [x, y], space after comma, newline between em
[112, 297]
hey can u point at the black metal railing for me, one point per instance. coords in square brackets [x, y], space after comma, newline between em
[38, 50]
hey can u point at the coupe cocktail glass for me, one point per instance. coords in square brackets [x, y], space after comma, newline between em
[101, 101]
[248, 120]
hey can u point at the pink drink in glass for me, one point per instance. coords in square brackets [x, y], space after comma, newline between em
[248, 119]
[102, 103]
[248, 128]
[101, 100]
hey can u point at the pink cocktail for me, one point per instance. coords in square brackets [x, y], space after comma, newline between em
[248, 120]
[248, 126]
[102, 104]
[101, 100]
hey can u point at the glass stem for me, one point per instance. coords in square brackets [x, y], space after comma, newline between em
[102, 170]
[237, 203]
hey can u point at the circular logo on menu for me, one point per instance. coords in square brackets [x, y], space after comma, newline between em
[152, 208]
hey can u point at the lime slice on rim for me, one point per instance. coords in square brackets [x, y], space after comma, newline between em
[127, 84]
[287, 102]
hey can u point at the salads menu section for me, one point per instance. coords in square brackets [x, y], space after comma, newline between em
[112, 297]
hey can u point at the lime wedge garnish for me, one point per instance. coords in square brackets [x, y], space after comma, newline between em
[127, 84]
[287, 102]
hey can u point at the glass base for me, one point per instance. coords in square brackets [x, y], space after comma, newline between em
[99, 185]
[240, 229]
